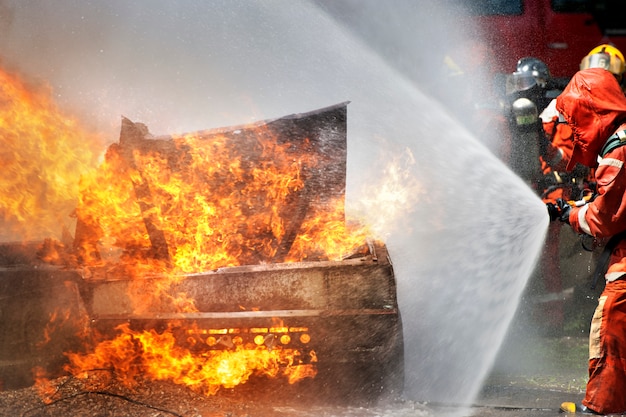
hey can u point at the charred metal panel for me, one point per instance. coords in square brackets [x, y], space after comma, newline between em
[348, 308]
[365, 283]
[41, 314]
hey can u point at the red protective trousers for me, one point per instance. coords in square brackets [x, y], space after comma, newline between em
[606, 389]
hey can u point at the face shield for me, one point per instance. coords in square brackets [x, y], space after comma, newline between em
[519, 81]
[609, 62]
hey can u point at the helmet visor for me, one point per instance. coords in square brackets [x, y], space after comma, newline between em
[519, 81]
[610, 63]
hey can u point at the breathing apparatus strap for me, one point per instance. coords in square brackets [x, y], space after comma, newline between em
[602, 263]
[614, 141]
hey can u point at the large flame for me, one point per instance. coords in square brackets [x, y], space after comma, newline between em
[42, 153]
[214, 204]
[136, 355]
[208, 204]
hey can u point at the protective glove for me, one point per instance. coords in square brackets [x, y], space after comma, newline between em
[553, 211]
[560, 210]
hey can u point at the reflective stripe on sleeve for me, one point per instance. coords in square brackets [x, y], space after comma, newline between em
[612, 276]
[611, 162]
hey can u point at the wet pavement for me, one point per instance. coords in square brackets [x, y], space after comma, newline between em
[521, 398]
[508, 396]
[533, 375]
[540, 367]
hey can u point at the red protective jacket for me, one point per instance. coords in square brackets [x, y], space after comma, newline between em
[559, 135]
[594, 106]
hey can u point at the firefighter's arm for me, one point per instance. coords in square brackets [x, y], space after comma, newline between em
[605, 215]
[556, 140]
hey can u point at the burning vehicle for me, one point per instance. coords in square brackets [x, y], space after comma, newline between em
[219, 260]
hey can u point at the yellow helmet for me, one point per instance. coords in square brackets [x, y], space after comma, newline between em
[605, 56]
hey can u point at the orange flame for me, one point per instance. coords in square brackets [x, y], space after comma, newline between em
[213, 204]
[210, 204]
[216, 205]
[158, 356]
[46, 388]
[42, 153]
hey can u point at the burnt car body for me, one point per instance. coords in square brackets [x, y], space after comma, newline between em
[342, 315]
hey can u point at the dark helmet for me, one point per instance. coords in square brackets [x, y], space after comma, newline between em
[530, 72]
[535, 67]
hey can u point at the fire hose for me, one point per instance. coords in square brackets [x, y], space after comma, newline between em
[603, 260]
[561, 210]
[602, 263]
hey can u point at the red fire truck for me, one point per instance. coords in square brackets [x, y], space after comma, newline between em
[559, 32]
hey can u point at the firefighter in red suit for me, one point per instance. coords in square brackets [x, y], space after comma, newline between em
[559, 149]
[576, 184]
[594, 107]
